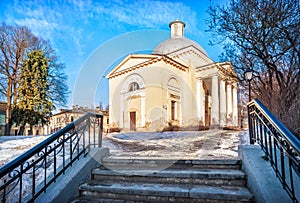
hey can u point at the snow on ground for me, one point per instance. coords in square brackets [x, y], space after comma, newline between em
[13, 146]
[211, 144]
[178, 145]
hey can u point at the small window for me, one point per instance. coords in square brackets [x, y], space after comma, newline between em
[133, 87]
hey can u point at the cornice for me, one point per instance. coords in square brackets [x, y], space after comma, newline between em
[164, 58]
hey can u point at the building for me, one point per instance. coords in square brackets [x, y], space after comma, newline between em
[2, 117]
[66, 116]
[61, 119]
[177, 85]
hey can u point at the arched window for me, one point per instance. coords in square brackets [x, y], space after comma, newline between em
[133, 86]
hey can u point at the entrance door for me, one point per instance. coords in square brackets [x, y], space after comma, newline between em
[207, 112]
[133, 121]
[173, 110]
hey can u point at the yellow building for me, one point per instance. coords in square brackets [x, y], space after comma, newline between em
[67, 116]
[177, 85]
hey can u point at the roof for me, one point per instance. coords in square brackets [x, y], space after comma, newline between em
[173, 44]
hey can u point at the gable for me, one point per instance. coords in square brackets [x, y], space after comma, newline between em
[131, 61]
[224, 69]
[127, 66]
[191, 55]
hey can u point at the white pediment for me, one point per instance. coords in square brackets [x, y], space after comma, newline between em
[191, 56]
[131, 61]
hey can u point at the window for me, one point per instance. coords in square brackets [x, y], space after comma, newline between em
[133, 87]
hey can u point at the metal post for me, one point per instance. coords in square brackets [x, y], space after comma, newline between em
[249, 82]
[250, 126]
[100, 131]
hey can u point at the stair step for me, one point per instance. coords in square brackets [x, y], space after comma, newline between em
[159, 164]
[165, 193]
[192, 177]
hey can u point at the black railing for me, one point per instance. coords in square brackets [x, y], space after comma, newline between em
[29, 175]
[281, 147]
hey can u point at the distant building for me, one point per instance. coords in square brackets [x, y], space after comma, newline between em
[177, 85]
[67, 116]
[2, 117]
[61, 119]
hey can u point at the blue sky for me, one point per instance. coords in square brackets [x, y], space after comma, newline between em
[79, 29]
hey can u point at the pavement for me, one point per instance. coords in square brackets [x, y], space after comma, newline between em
[209, 144]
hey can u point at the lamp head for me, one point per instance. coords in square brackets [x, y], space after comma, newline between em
[248, 74]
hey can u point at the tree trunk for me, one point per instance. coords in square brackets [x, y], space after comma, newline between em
[7, 129]
[7, 116]
[30, 130]
[22, 129]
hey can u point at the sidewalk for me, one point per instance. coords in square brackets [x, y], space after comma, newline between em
[210, 144]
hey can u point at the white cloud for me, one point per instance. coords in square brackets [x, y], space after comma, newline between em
[66, 20]
[149, 14]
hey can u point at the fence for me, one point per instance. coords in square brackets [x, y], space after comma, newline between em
[281, 147]
[29, 175]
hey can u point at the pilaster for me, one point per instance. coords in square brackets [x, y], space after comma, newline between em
[200, 101]
[215, 101]
[229, 104]
[234, 105]
[223, 103]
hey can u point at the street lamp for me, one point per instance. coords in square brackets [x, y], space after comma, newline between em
[248, 76]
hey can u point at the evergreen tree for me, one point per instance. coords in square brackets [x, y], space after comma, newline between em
[33, 101]
[15, 42]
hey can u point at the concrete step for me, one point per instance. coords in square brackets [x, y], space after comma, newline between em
[158, 180]
[153, 192]
[159, 164]
[212, 177]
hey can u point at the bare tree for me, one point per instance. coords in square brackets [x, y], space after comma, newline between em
[15, 42]
[264, 35]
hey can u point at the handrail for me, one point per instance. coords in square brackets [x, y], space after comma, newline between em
[49, 159]
[281, 146]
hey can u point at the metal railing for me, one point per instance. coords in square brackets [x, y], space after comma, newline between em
[281, 147]
[29, 175]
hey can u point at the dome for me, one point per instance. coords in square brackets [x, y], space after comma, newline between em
[176, 41]
[174, 44]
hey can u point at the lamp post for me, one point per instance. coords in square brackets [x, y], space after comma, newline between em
[248, 76]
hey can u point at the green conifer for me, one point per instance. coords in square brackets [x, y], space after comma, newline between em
[33, 101]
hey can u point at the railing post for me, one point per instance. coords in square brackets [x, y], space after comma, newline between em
[282, 168]
[89, 132]
[100, 131]
[250, 126]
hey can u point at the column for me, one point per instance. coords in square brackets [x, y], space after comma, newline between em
[200, 101]
[234, 106]
[143, 110]
[222, 104]
[229, 105]
[121, 124]
[215, 101]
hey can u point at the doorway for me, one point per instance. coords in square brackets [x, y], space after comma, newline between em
[173, 112]
[133, 121]
[207, 111]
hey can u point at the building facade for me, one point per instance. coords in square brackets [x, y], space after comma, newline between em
[177, 85]
[61, 119]
[2, 117]
[67, 116]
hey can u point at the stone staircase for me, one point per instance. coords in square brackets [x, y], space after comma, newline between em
[145, 180]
